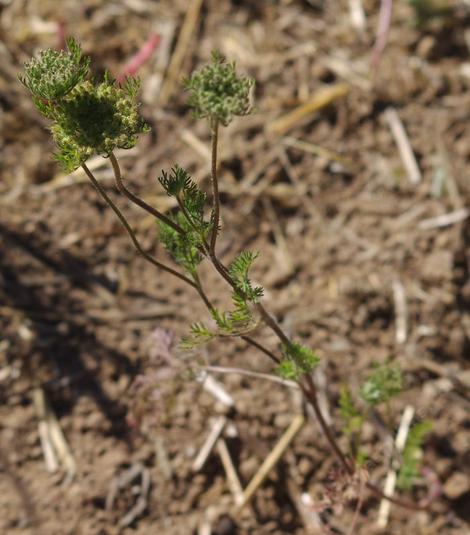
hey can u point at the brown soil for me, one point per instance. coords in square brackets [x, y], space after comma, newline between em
[337, 232]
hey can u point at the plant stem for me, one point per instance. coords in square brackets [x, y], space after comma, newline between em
[131, 233]
[267, 318]
[273, 325]
[137, 200]
[202, 293]
[308, 388]
[267, 352]
[204, 249]
[222, 270]
[197, 282]
[310, 393]
[214, 182]
[406, 504]
[244, 337]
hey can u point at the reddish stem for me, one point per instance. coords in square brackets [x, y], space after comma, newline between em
[61, 35]
[143, 55]
[385, 17]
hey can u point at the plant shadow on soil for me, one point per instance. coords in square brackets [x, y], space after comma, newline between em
[61, 342]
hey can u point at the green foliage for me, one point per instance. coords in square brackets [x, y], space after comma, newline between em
[351, 415]
[183, 248]
[237, 320]
[232, 323]
[239, 271]
[361, 457]
[176, 182]
[199, 335]
[384, 383]
[217, 92]
[298, 360]
[222, 319]
[96, 118]
[287, 369]
[303, 356]
[53, 74]
[191, 198]
[412, 454]
[241, 316]
[353, 420]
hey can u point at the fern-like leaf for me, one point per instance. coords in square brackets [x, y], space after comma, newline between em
[199, 335]
[382, 384]
[298, 360]
[239, 271]
[412, 454]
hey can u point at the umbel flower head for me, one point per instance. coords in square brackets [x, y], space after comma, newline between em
[217, 92]
[88, 117]
[96, 119]
[53, 74]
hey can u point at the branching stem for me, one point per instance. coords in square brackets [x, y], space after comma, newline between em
[131, 233]
[306, 383]
[244, 337]
[137, 200]
[202, 293]
[204, 249]
[260, 347]
[214, 182]
[310, 393]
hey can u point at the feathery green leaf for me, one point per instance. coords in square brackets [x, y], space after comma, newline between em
[412, 454]
[199, 335]
[239, 271]
[298, 360]
[183, 248]
[382, 384]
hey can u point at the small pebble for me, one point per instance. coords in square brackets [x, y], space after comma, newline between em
[456, 485]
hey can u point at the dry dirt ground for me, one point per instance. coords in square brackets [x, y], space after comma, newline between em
[355, 259]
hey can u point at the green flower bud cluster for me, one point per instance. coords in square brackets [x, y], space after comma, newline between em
[53, 74]
[88, 118]
[96, 119]
[217, 92]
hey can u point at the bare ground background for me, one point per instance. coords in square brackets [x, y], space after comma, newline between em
[342, 232]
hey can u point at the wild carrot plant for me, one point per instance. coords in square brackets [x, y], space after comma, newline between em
[95, 118]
